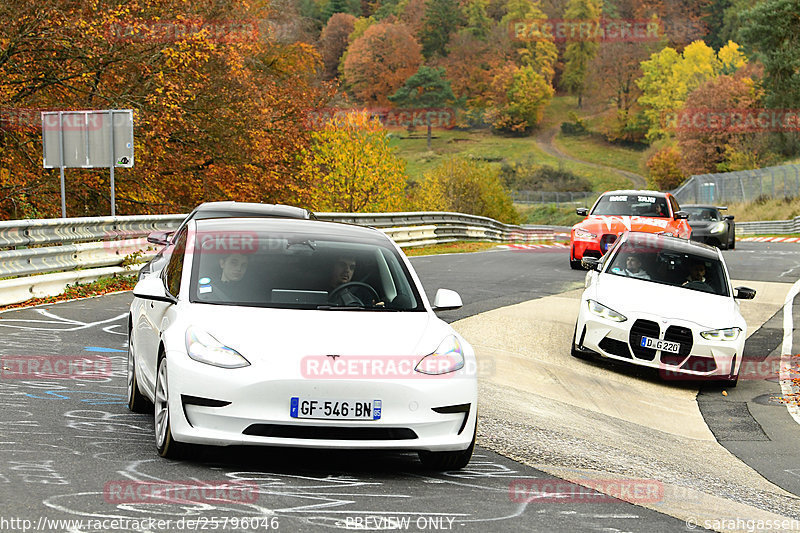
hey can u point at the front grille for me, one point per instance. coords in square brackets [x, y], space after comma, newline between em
[684, 337]
[615, 347]
[329, 432]
[606, 241]
[640, 328]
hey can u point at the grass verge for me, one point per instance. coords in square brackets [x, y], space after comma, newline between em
[458, 247]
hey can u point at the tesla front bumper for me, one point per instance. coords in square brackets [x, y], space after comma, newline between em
[210, 405]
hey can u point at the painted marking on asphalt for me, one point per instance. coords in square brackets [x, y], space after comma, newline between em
[787, 386]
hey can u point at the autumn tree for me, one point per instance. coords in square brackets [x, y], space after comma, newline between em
[427, 88]
[465, 186]
[665, 170]
[380, 61]
[478, 23]
[333, 41]
[350, 167]
[520, 95]
[219, 108]
[708, 146]
[581, 52]
[668, 77]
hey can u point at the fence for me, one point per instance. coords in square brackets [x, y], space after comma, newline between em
[42, 256]
[741, 186]
[554, 197]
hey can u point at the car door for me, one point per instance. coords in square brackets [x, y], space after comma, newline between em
[682, 228]
[150, 323]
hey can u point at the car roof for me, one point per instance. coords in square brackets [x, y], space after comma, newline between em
[634, 191]
[322, 228]
[675, 244]
[248, 209]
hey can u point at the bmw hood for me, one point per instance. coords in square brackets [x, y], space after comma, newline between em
[634, 297]
[296, 332]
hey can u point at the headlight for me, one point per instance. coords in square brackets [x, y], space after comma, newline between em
[448, 357]
[582, 234]
[729, 334]
[605, 312]
[204, 348]
[719, 227]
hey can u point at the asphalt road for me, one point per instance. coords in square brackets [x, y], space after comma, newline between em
[66, 444]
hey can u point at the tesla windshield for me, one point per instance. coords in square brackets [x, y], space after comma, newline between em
[678, 263]
[631, 205]
[286, 268]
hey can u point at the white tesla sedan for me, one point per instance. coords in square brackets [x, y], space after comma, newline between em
[665, 303]
[298, 333]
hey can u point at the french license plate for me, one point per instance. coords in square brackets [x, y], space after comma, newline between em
[335, 409]
[658, 344]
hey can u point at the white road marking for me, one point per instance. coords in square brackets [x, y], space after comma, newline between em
[787, 387]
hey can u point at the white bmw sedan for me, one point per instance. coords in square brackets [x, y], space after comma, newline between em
[298, 333]
[665, 303]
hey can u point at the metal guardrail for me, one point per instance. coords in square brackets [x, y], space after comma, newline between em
[768, 227]
[40, 255]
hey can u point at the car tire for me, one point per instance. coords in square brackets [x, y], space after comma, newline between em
[574, 264]
[732, 244]
[166, 445]
[442, 461]
[137, 402]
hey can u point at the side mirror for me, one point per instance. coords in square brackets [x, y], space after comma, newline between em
[681, 215]
[582, 211]
[446, 300]
[590, 263]
[152, 288]
[744, 293]
[728, 217]
[159, 237]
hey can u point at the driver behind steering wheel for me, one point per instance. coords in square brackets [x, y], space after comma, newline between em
[342, 272]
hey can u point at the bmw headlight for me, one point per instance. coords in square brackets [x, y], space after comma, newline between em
[583, 235]
[719, 227]
[204, 348]
[605, 312]
[728, 334]
[448, 357]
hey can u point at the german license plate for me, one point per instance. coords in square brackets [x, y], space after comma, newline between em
[328, 409]
[658, 344]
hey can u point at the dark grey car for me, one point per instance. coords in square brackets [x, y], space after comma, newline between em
[220, 210]
[710, 226]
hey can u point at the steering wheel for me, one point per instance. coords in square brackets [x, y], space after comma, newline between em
[344, 286]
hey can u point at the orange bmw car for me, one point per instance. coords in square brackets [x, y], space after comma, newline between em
[616, 212]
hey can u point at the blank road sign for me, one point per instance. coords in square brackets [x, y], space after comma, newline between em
[86, 138]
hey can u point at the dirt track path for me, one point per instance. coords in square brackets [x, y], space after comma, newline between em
[546, 141]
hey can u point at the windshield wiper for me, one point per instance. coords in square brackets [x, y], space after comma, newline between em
[342, 307]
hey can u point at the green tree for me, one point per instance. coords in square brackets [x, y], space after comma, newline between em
[442, 18]
[579, 53]
[479, 24]
[536, 50]
[465, 186]
[426, 88]
[520, 96]
[771, 29]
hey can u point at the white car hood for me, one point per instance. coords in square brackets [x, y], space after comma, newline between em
[633, 297]
[266, 332]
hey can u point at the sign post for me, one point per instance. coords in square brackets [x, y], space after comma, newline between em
[87, 139]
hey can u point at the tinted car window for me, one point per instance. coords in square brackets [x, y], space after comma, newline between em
[298, 270]
[678, 266]
[174, 269]
[703, 213]
[632, 205]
